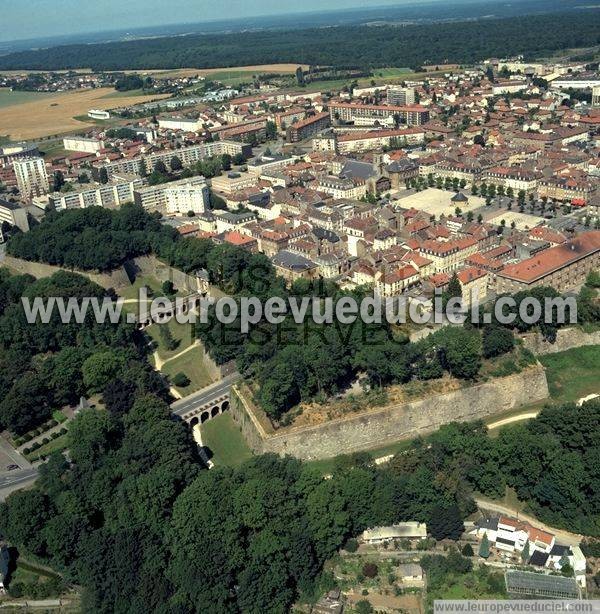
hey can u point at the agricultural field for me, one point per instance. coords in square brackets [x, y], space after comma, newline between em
[223, 71]
[54, 114]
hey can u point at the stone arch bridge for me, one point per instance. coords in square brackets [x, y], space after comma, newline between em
[205, 404]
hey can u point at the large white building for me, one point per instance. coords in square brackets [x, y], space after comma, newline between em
[32, 177]
[80, 143]
[13, 214]
[401, 96]
[176, 197]
[180, 123]
[111, 195]
[187, 195]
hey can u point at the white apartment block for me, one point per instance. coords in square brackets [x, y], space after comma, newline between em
[596, 96]
[110, 195]
[187, 195]
[80, 143]
[400, 96]
[13, 214]
[180, 123]
[187, 155]
[181, 196]
[32, 177]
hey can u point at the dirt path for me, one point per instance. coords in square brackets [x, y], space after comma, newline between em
[527, 416]
[160, 363]
[564, 537]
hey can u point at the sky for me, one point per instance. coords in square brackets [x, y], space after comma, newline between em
[23, 19]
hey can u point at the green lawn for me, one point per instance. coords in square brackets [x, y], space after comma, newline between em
[573, 374]
[9, 99]
[59, 416]
[192, 365]
[53, 149]
[481, 583]
[181, 333]
[127, 94]
[132, 292]
[56, 445]
[223, 437]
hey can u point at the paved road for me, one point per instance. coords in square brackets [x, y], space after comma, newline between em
[19, 478]
[562, 536]
[191, 402]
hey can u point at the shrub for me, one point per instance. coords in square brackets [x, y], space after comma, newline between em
[45, 441]
[467, 550]
[370, 570]
[351, 545]
[181, 380]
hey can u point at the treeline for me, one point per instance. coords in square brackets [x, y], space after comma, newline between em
[91, 239]
[134, 521]
[46, 366]
[360, 46]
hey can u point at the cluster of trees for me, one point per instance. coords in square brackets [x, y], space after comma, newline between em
[127, 83]
[136, 521]
[358, 46]
[45, 366]
[91, 239]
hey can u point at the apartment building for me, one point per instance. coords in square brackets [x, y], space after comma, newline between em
[396, 281]
[109, 195]
[565, 189]
[342, 188]
[453, 169]
[187, 155]
[187, 195]
[14, 215]
[32, 177]
[285, 119]
[511, 177]
[234, 182]
[308, 127]
[246, 131]
[365, 114]
[401, 96]
[180, 123]
[448, 256]
[378, 139]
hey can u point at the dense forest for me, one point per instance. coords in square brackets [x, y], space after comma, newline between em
[45, 366]
[357, 46]
[91, 239]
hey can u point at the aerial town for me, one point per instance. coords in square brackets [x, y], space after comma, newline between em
[490, 172]
[156, 464]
